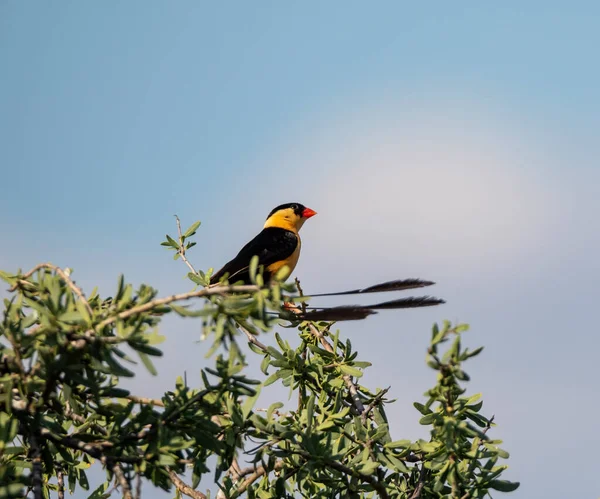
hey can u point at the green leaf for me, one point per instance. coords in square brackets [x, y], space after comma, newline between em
[439, 336]
[396, 463]
[99, 491]
[264, 365]
[468, 354]
[195, 278]
[352, 371]
[11, 490]
[403, 444]
[473, 398]
[271, 379]
[186, 312]
[478, 419]
[273, 408]
[253, 268]
[9, 278]
[148, 363]
[83, 481]
[461, 328]
[421, 408]
[428, 419]
[310, 410]
[192, 230]
[172, 242]
[73, 317]
[114, 367]
[145, 348]
[504, 485]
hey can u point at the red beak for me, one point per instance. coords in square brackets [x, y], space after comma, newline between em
[307, 213]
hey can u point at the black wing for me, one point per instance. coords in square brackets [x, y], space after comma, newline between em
[271, 245]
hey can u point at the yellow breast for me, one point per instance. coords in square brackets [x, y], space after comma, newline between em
[290, 261]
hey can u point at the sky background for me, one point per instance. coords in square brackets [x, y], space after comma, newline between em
[457, 143]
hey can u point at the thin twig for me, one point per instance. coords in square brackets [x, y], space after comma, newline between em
[123, 482]
[61, 485]
[252, 339]
[259, 472]
[94, 449]
[217, 290]
[37, 471]
[301, 293]
[276, 412]
[64, 276]
[111, 490]
[138, 486]
[181, 250]
[17, 351]
[68, 412]
[489, 424]
[145, 400]
[184, 488]
[336, 465]
[421, 483]
[375, 401]
[234, 469]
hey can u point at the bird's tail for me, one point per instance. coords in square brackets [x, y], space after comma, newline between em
[357, 312]
[397, 285]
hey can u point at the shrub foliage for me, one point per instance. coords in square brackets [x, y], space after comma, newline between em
[64, 353]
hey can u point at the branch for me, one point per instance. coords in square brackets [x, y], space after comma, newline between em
[145, 401]
[64, 276]
[37, 478]
[166, 417]
[181, 250]
[260, 471]
[252, 339]
[217, 290]
[375, 401]
[421, 483]
[125, 487]
[336, 465]
[185, 488]
[138, 487]
[61, 485]
[89, 448]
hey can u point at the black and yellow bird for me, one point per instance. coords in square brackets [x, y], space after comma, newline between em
[278, 245]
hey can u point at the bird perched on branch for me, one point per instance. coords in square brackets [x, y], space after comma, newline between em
[278, 245]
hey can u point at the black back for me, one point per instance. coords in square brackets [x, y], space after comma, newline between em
[271, 245]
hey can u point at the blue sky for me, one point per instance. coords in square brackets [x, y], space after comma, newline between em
[454, 143]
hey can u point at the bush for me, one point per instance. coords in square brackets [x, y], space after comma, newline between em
[62, 407]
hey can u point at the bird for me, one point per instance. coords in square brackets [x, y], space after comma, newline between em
[278, 245]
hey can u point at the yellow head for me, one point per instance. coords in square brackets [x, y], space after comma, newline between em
[290, 216]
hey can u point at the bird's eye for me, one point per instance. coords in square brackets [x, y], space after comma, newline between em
[294, 207]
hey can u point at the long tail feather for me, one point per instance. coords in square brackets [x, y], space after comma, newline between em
[335, 314]
[397, 285]
[410, 302]
[357, 312]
